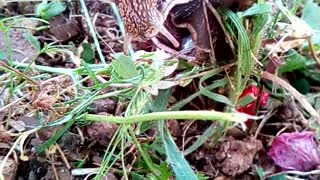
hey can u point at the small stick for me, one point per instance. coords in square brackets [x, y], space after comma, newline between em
[299, 97]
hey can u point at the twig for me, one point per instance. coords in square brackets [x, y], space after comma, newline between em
[299, 97]
[264, 120]
[314, 172]
[212, 54]
[19, 73]
[313, 52]
[211, 71]
[184, 135]
[99, 36]
[55, 171]
[63, 157]
[14, 102]
[15, 144]
[228, 38]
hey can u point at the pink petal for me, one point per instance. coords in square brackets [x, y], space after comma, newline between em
[295, 151]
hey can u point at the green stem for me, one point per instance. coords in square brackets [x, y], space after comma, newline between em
[92, 31]
[144, 155]
[125, 174]
[178, 115]
[9, 49]
[10, 60]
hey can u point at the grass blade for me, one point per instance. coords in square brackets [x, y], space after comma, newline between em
[244, 60]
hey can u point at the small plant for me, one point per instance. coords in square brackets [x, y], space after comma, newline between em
[49, 10]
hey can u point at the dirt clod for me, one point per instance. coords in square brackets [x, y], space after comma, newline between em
[10, 168]
[70, 142]
[102, 132]
[174, 128]
[234, 157]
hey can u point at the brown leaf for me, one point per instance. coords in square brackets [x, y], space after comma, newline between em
[63, 29]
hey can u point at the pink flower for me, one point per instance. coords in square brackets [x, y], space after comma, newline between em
[295, 151]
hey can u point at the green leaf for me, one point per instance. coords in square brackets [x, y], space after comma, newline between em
[124, 66]
[136, 176]
[185, 101]
[294, 61]
[246, 100]
[3, 55]
[48, 10]
[201, 176]
[165, 171]
[32, 40]
[302, 85]
[259, 172]
[256, 9]
[88, 53]
[80, 163]
[157, 146]
[313, 74]
[278, 177]
[175, 158]
[57, 135]
[157, 70]
[256, 35]
[211, 95]
[310, 15]
[90, 72]
[201, 140]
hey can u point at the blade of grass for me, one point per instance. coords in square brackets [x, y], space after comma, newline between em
[259, 14]
[244, 61]
[201, 140]
[109, 152]
[211, 95]
[256, 36]
[213, 130]
[185, 101]
[213, 72]
[91, 73]
[92, 31]
[137, 106]
[70, 120]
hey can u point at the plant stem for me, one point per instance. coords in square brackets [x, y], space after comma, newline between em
[92, 31]
[144, 155]
[178, 115]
